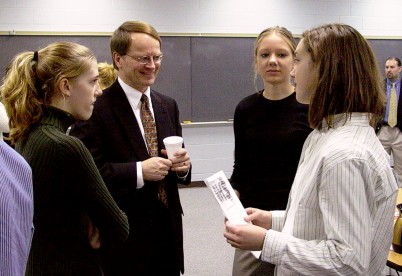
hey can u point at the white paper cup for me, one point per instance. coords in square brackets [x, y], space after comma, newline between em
[172, 145]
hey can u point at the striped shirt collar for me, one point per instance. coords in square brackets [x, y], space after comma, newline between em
[355, 118]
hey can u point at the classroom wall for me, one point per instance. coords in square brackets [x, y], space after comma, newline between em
[210, 146]
[371, 17]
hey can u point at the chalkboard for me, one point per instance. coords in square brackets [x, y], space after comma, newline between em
[207, 76]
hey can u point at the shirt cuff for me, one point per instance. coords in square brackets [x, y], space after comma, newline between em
[140, 179]
[184, 176]
[274, 246]
[277, 220]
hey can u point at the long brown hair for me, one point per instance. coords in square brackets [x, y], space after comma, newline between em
[32, 78]
[348, 78]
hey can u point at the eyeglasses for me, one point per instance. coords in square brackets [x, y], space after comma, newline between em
[147, 59]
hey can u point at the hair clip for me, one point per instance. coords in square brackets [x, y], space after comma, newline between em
[35, 56]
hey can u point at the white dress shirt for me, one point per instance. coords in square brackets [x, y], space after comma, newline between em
[134, 98]
[339, 217]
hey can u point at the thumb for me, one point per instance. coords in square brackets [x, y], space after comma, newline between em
[252, 215]
[229, 226]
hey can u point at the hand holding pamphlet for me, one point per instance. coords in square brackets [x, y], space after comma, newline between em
[228, 200]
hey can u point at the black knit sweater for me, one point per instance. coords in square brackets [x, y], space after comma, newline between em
[269, 136]
[68, 193]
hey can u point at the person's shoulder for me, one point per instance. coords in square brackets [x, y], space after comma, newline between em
[67, 148]
[72, 147]
[249, 100]
[163, 99]
[109, 97]
[55, 138]
[11, 156]
[161, 96]
[298, 105]
[109, 92]
[350, 142]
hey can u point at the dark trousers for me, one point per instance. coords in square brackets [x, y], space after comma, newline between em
[148, 252]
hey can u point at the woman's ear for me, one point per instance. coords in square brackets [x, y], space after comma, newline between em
[64, 87]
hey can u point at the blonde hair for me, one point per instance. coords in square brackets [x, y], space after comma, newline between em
[32, 78]
[107, 74]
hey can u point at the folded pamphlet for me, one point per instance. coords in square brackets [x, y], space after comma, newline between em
[228, 200]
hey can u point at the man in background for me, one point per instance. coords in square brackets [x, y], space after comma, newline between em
[125, 136]
[390, 131]
[16, 211]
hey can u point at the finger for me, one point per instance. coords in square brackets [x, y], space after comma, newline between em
[232, 243]
[252, 216]
[228, 225]
[180, 165]
[180, 153]
[227, 235]
[166, 162]
[250, 210]
[161, 174]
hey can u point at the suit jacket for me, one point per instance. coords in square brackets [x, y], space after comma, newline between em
[399, 115]
[114, 138]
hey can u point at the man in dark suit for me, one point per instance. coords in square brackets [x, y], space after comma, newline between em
[389, 132]
[138, 180]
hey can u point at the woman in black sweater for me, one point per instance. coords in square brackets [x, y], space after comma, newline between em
[270, 127]
[44, 93]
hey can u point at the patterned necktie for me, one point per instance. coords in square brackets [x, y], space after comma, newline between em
[148, 123]
[393, 107]
[151, 137]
